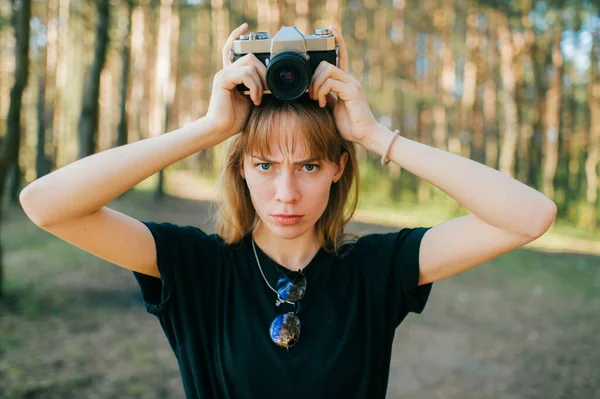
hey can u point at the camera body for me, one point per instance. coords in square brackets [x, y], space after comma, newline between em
[290, 57]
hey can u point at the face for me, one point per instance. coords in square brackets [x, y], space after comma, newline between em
[289, 190]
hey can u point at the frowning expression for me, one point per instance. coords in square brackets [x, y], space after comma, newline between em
[288, 188]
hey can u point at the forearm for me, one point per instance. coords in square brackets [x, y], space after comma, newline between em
[85, 186]
[490, 195]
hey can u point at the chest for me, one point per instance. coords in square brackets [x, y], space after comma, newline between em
[338, 336]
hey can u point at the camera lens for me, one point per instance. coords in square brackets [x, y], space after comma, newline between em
[288, 75]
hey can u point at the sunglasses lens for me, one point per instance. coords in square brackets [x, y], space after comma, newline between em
[292, 290]
[285, 330]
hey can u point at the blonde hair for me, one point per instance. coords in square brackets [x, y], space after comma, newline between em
[300, 119]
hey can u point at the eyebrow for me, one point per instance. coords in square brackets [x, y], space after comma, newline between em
[302, 162]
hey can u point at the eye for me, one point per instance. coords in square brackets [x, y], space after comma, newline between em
[263, 166]
[311, 167]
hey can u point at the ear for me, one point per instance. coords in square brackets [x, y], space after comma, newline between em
[341, 167]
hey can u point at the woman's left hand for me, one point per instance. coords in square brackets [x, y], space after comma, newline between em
[334, 87]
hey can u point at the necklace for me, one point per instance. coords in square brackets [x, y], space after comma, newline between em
[285, 328]
[279, 300]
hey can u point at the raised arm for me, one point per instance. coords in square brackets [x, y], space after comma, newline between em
[71, 202]
[85, 186]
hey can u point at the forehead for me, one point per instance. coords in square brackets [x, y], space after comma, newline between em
[282, 135]
[283, 145]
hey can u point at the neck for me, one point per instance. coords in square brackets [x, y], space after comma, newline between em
[293, 254]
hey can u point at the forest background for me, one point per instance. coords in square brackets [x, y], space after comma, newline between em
[511, 84]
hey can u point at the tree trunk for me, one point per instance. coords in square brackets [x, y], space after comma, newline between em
[46, 87]
[477, 142]
[58, 102]
[511, 128]
[41, 161]
[9, 146]
[4, 79]
[593, 157]
[303, 13]
[220, 31]
[469, 92]
[162, 77]
[123, 126]
[552, 115]
[172, 83]
[139, 60]
[446, 79]
[357, 25]
[527, 104]
[565, 180]
[539, 53]
[490, 92]
[391, 89]
[202, 82]
[15, 177]
[122, 131]
[87, 128]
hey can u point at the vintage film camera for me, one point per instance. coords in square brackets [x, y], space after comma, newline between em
[290, 57]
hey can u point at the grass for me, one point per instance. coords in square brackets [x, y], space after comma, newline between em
[74, 325]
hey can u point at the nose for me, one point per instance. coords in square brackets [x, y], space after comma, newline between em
[287, 190]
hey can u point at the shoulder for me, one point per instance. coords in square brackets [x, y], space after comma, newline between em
[385, 244]
[171, 237]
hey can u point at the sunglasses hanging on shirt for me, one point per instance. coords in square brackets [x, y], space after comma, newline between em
[285, 329]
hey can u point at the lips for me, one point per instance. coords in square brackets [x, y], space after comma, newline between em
[287, 220]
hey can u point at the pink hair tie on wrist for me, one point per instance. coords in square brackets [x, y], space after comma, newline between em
[384, 158]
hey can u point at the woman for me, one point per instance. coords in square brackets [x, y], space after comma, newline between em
[280, 303]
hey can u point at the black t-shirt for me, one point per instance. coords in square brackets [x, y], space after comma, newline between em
[216, 311]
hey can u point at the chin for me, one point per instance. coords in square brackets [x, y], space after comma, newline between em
[289, 232]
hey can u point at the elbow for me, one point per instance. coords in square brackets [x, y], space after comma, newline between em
[27, 199]
[547, 215]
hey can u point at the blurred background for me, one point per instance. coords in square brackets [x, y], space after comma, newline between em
[512, 84]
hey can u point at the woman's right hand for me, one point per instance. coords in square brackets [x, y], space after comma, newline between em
[229, 108]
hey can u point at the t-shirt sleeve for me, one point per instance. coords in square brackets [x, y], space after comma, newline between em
[175, 252]
[406, 269]
[392, 267]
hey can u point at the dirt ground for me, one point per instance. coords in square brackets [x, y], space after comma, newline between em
[73, 326]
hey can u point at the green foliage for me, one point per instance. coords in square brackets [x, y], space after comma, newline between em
[4, 22]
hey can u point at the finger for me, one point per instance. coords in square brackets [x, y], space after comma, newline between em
[325, 70]
[343, 62]
[250, 59]
[331, 100]
[245, 75]
[229, 43]
[262, 72]
[256, 90]
[331, 85]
